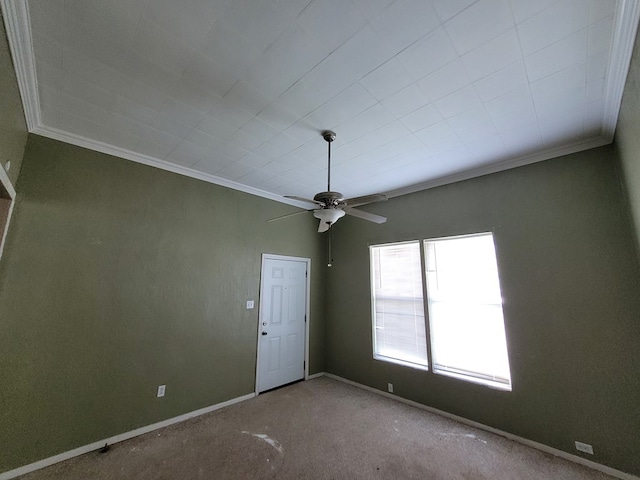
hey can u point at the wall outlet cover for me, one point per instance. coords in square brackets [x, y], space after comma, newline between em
[161, 390]
[249, 304]
[390, 387]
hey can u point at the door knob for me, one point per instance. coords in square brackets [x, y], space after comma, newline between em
[264, 333]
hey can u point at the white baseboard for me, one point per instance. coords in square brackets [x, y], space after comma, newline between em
[530, 443]
[165, 423]
[118, 438]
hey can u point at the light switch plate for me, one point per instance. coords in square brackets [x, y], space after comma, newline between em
[249, 304]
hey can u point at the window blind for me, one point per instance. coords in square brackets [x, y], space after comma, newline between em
[398, 304]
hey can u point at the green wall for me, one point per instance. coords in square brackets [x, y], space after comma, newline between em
[570, 282]
[118, 277]
[13, 128]
[627, 139]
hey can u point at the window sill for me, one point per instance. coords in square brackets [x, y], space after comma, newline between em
[479, 381]
[403, 363]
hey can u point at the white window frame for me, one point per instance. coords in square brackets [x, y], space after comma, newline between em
[478, 379]
[385, 358]
[487, 380]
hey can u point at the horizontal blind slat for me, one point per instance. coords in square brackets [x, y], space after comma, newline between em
[398, 304]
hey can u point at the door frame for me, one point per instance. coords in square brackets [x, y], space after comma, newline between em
[307, 311]
[5, 184]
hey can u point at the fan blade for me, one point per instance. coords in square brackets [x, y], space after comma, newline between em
[293, 197]
[357, 201]
[372, 217]
[323, 226]
[288, 215]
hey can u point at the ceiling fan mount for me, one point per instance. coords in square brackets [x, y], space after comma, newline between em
[329, 198]
[329, 136]
[330, 205]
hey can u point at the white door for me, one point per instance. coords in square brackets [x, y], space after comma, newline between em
[282, 322]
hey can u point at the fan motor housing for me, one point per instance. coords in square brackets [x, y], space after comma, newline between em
[329, 198]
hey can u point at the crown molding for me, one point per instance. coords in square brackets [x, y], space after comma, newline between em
[101, 147]
[502, 166]
[627, 17]
[18, 26]
[624, 35]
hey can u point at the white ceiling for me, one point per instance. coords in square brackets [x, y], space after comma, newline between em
[420, 92]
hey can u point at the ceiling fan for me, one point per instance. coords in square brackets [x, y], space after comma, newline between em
[333, 205]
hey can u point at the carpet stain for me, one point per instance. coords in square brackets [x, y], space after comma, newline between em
[466, 435]
[274, 443]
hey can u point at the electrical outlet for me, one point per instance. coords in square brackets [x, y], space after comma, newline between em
[584, 448]
[249, 304]
[390, 387]
[161, 390]
[7, 165]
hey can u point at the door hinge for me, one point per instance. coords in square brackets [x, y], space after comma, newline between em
[305, 318]
[306, 273]
[304, 364]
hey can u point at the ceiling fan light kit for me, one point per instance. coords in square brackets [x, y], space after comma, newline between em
[327, 217]
[333, 205]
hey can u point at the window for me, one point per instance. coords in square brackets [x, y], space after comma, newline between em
[399, 333]
[465, 309]
[464, 304]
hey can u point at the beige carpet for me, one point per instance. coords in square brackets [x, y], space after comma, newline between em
[320, 429]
